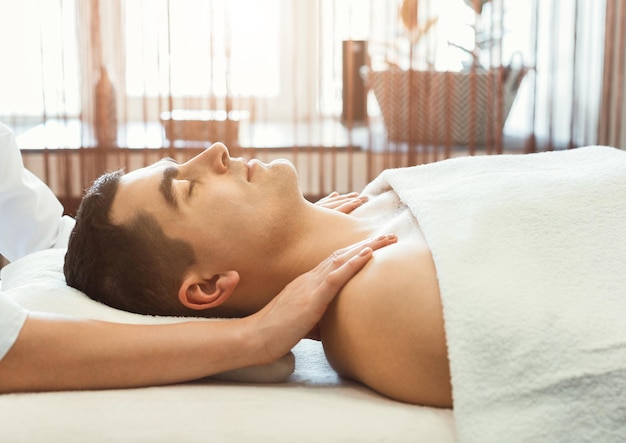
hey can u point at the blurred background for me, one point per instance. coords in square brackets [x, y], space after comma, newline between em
[343, 88]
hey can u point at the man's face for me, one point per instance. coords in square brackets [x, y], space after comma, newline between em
[215, 202]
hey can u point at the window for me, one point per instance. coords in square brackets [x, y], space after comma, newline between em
[39, 74]
[202, 48]
[281, 60]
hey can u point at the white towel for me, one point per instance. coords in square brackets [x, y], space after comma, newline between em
[530, 252]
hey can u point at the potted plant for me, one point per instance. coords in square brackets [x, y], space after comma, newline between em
[424, 106]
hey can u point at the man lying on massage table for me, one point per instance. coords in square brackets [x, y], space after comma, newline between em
[201, 238]
[40, 352]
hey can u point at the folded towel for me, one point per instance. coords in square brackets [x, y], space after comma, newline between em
[530, 252]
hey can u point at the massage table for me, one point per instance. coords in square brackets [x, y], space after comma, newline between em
[296, 399]
[530, 253]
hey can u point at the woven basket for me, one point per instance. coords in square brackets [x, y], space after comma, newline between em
[433, 107]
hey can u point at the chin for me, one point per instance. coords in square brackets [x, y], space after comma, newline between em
[287, 170]
[283, 163]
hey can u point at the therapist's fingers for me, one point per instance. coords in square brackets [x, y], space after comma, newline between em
[345, 203]
[343, 254]
[295, 312]
[348, 261]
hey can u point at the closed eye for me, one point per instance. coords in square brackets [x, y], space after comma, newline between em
[192, 185]
[166, 188]
[168, 159]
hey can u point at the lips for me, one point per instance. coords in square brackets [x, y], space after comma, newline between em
[252, 167]
[247, 169]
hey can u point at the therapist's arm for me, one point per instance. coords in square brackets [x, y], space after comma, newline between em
[62, 354]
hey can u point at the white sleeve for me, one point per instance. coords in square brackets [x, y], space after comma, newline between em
[31, 217]
[12, 318]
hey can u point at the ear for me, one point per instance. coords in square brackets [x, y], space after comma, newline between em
[200, 293]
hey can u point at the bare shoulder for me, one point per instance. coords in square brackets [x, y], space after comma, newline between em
[386, 330]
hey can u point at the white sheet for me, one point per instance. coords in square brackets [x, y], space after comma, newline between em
[530, 253]
[312, 405]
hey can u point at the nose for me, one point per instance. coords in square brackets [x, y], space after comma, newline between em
[216, 158]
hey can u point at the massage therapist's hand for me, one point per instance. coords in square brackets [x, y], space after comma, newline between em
[296, 311]
[345, 203]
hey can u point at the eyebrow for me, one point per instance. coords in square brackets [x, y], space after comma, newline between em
[165, 186]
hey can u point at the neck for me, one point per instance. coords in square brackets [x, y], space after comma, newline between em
[326, 232]
[316, 234]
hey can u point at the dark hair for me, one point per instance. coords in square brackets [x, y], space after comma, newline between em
[134, 266]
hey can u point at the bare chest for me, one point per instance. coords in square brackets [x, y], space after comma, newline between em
[387, 323]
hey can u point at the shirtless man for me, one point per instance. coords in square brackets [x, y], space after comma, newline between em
[235, 226]
[42, 352]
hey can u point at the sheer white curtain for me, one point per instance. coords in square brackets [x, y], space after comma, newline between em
[39, 71]
[281, 60]
[281, 63]
[560, 100]
[562, 42]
